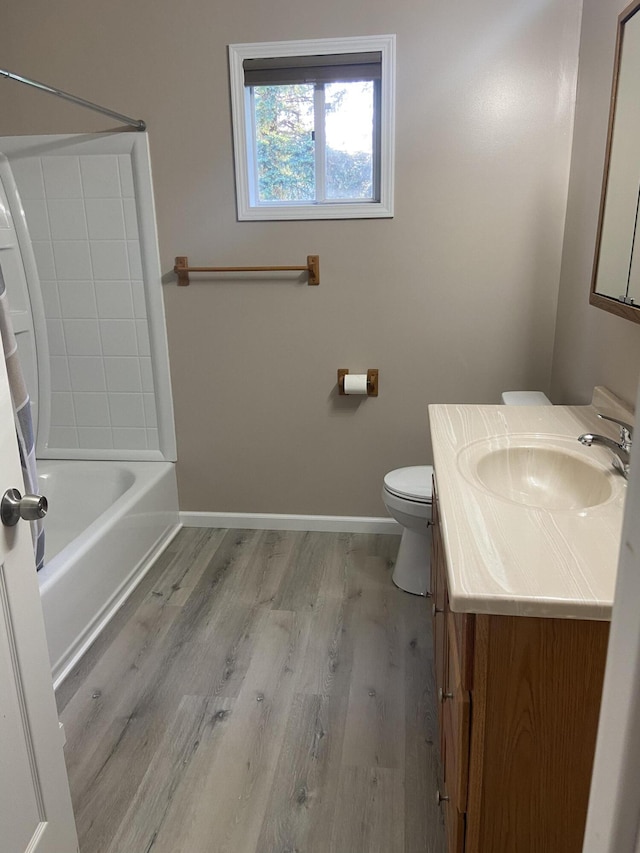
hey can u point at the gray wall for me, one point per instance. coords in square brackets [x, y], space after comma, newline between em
[453, 300]
[592, 347]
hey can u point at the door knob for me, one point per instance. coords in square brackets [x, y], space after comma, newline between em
[13, 507]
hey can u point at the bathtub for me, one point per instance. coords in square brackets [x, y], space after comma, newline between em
[107, 522]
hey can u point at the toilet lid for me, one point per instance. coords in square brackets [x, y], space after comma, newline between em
[412, 483]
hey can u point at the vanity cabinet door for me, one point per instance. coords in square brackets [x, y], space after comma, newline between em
[457, 719]
[439, 597]
[438, 575]
[455, 830]
[454, 817]
[536, 697]
[440, 663]
[453, 698]
[462, 629]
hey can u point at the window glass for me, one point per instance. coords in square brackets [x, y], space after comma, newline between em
[349, 138]
[285, 151]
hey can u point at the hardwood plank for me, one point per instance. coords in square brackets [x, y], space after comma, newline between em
[424, 825]
[374, 735]
[225, 623]
[236, 781]
[369, 815]
[216, 663]
[356, 562]
[337, 578]
[386, 549]
[260, 580]
[192, 555]
[329, 656]
[112, 690]
[67, 690]
[298, 590]
[192, 547]
[213, 638]
[304, 790]
[112, 679]
[196, 720]
[117, 769]
[236, 550]
[360, 560]
[141, 683]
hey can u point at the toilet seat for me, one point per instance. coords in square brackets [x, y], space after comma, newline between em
[411, 484]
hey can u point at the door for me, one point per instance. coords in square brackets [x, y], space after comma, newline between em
[613, 819]
[35, 805]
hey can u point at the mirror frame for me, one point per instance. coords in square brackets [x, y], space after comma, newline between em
[609, 303]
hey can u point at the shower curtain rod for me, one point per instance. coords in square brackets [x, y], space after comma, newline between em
[137, 123]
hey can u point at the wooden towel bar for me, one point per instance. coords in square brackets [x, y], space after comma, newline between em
[182, 269]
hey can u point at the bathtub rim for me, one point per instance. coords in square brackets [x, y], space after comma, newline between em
[91, 534]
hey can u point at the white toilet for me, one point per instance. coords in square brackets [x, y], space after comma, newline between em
[407, 496]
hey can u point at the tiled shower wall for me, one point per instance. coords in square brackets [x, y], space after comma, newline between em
[81, 214]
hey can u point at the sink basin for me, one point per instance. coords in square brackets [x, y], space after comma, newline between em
[536, 472]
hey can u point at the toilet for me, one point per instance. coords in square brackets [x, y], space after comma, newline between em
[407, 495]
[525, 398]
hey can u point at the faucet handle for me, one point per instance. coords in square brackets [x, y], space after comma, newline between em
[626, 430]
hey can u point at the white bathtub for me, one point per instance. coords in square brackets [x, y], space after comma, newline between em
[107, 522]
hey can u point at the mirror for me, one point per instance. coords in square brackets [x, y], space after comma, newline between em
[615, 284]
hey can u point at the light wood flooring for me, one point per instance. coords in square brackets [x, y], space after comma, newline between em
[260, 692]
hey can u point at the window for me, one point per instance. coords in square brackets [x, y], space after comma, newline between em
[313, 128]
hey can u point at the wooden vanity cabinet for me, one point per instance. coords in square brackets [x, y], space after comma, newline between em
[519, 699]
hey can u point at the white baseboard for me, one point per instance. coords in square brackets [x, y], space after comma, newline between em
[274, 521]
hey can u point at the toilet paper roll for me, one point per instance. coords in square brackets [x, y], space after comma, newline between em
[355, 383]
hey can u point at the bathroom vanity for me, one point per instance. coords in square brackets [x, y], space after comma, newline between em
[527, 527]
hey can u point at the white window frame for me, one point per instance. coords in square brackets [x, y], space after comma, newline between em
[242, 120]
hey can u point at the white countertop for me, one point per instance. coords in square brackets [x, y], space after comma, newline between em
[513, 559]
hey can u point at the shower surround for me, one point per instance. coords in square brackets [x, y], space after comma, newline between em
[88, 203]
[80, 260]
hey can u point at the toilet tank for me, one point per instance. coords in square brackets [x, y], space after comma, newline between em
[525, 398]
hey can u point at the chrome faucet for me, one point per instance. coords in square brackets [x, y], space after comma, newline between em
[621, 451]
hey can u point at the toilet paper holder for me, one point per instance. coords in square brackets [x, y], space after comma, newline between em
[372, 382]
